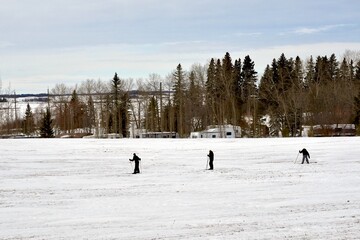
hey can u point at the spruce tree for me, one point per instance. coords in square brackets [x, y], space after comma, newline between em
[249, 76]
[270, 97]
[116, 83]
[310, 72]
[76, 108]
[28, 123]
[298, 73]
[194, 104]
[296, 96]
[357, 76]
[124, 114]
[333, 67]
[238, 82]
[227, 67]
[219, 93]
[178, 99]
[322, 70]
[90, 114]
[344, 72]
[210, 92]
[116, 87]
[267, 88]
[356, 119]
[46, 130]
[152, 116]
[229, 90]
[285, 70]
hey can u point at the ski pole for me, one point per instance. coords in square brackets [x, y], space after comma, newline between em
[130, 164]
[207, 162]
[296, 158]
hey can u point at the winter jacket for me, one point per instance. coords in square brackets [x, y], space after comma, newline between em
[305, 152]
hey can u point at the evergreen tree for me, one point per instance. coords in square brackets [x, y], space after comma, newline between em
[152, 116]
[90, 115]
[28, 123]
[219, 94]
[124, 114]
[116, 84]
[238, 82]
[116, 88]
[229, 90]
[46, 130]
[210, 92]
[66, 116]
[194, 104]
[333, 67]
[249, 76]
[322, 70]
[77, 112]
[296, 95]
[266, 92]
[310, 72]
[344, 72]
[357, 76]
[178, 100]
[298, 73]
[270, 97]
[356, 120]
[227, 75]
[352, 71]
[285, 70]
[275, 72]
[266, 86]
[167, 116]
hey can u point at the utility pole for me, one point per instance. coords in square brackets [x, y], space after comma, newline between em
[15, 109]
[161, 119]
[48, 98]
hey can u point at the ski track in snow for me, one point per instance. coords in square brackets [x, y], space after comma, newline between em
[84, 189]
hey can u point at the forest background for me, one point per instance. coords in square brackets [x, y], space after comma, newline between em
[290, 94]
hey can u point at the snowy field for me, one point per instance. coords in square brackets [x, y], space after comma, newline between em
[84, 189]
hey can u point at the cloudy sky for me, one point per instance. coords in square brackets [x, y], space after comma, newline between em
[44, 42]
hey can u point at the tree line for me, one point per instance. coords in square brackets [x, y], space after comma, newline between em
[291, 93]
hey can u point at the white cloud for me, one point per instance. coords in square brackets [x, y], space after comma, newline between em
[248, 34]
[312, 30]
[6, 44]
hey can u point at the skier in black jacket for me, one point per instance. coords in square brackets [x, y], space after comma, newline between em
[136, 159]
[211, 158]
[306, 154]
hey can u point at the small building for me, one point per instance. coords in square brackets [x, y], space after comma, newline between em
[144, 133]
[159, 135]
[334, 130]
[218, 131]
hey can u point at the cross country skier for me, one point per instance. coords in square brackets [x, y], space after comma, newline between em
[136, 159]
[306, 154]
[211, 157]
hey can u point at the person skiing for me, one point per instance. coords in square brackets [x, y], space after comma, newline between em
[211, 159]
[306, 154]
[136, 159]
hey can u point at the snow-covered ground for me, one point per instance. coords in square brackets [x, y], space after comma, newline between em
[84, 189]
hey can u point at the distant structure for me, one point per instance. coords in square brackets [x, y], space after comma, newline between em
[218, 131]
[334, 130]
[159, 135]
